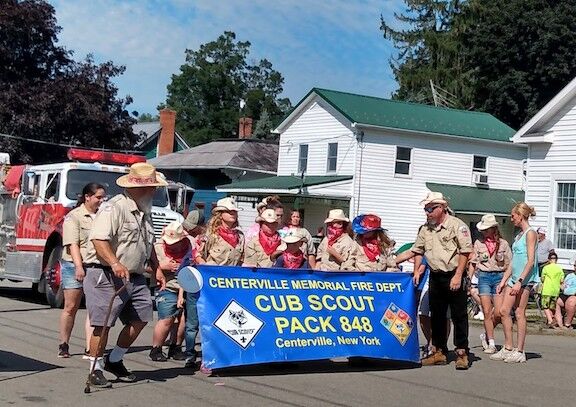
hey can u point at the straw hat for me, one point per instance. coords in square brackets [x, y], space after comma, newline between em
[268, 216]
[193, 219]
[363, 224]
[336, 215]
[225, 204]
[173, 233]
[433, 197]
[488, 221]
[141, 175]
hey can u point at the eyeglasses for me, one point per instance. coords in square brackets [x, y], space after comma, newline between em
[431, 208]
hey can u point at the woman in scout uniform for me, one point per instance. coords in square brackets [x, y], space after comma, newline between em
[75, 232]
[335, 251]
[224, 242]
[491, 256]
[263, 248]
[172, 248]
[294, 224]
[293, 256]
[372, 251]
[516, 284]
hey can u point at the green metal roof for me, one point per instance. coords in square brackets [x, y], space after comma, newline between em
[285, 182]
[415, 117]
[478, 200]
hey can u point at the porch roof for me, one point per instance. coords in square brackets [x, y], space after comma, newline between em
[281, 184]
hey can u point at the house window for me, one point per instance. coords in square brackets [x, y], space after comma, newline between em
[565, 216]
[332, 157]
[403, 160]
[479, 164]
[303, 158]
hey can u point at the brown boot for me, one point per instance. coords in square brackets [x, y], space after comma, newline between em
[461, 360]
[436, 358]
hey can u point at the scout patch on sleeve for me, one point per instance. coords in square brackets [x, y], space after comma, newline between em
[464, 230]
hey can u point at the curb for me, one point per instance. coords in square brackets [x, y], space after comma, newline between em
[534, 328]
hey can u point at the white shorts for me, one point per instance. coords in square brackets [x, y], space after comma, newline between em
[424, 305]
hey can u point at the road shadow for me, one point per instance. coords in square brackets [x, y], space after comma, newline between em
[12, 362]
[22, 294]
[162, 375]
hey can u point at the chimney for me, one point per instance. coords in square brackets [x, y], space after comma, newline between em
[245, 128]
[166, 139]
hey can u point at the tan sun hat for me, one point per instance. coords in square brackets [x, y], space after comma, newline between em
[173, 233]
[488, 221]
[268, 216]
[225, 204]
[336, 215]
[294, 236]
[141, 175]
[433, 197]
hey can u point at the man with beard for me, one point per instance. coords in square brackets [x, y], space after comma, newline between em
[446, 244]
[123, 238]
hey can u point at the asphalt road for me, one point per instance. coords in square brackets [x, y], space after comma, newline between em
[31, 374]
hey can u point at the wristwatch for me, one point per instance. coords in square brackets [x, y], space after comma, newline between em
[520, 280]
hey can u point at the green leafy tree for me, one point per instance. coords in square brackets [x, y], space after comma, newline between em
[211, 84]
[46, 95]
[147, 117]
[264, 127]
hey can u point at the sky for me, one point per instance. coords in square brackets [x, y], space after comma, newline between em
[333, 44]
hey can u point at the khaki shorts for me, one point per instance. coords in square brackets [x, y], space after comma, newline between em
[132, 305]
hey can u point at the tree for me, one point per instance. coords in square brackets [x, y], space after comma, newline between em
[263, 127]
[46, 95]
[211, 84]
[147, 117]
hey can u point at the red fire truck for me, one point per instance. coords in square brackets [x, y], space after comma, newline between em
[31, 214]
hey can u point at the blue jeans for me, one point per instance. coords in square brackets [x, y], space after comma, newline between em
[488, 281]
[192, 323]
[167, 304]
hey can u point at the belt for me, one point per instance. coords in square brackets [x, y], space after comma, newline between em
[97, 266]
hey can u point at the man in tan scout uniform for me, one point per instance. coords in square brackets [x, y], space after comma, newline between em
[123, 237]
[446, 244]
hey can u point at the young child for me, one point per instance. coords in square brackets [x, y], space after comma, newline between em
[567, 300]
[292, 257]
[552, 278]
[336, 251]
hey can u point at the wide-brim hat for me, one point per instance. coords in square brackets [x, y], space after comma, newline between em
[293, 236]
[363, 224]
[173, 233]
[488, 221]
[225, 204]
[141, 175]
[268, 216]
[193, 219]
[336, 215]
[433, 197]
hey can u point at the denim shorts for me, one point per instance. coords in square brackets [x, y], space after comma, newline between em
[488, 281]
[68, 275]
[166, 304]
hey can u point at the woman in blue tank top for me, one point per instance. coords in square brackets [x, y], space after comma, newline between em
[516, 284]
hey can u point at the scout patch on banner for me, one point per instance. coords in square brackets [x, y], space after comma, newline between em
[398, 322]
[238, 324]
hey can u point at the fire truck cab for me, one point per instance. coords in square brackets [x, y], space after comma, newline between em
[31, 231]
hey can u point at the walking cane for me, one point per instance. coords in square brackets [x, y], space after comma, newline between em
[105, 329]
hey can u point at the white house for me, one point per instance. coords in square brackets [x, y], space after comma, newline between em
[373, 155]
[551, 169]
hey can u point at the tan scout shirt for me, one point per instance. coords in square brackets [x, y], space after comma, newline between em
[129, 231]
[441, 245]
[498, 262]
[171, 280]
[255, 255]
[217, 251]
[345, 246]
[76, 229]
[384, 262]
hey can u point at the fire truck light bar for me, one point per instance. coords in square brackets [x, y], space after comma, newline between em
[78, 154]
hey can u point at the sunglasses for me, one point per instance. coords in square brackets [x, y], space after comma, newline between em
[431, 208]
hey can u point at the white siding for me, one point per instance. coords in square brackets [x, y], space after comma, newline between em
[317, 126]
[246, 215]
[434, 159]
[549, 163]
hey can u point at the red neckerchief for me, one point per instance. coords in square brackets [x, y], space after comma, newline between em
[269, 243]
[293, 261]
[231, 236]
[491, 245]
[371, 247]
[334, 234]
[178, 250]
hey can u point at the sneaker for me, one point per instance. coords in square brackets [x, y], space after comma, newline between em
[484, 340]
[191, 362]
[86, 355]
[97, 379]
[156, 355]
[175, 352]
[491, 349]
[479, 316]
[436, 358]
[63, 350]
[461, 360]
[516, 357]
[119, 370]
[502, 354]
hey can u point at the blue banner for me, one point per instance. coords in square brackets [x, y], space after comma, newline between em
[250, 316]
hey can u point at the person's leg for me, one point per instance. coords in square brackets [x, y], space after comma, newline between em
[87, 330]
[558, 313]
[426, 327]
[549, 316]
[180, 334]
[505, 309]
[161, 331]
[521, 303]
[458, 309]
[438, 292]
[192, 325]
[476, 298]
[72, 298]
[487, 308]
[129, 334]
[570, 310]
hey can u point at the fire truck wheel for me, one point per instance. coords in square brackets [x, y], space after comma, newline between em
[54, 292]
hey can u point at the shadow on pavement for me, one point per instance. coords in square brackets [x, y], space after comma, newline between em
[12, 362]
